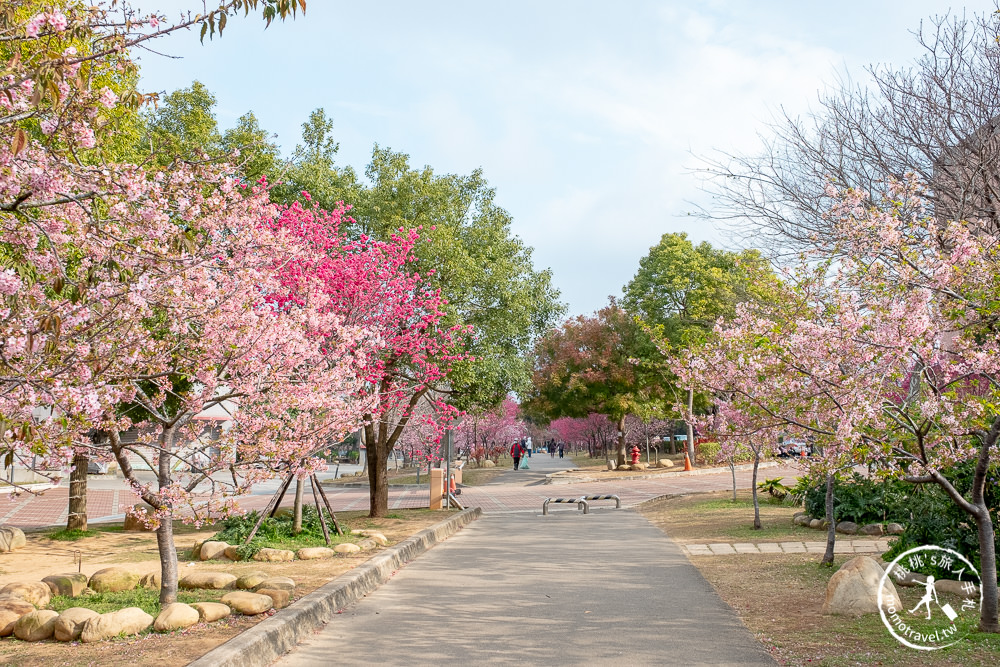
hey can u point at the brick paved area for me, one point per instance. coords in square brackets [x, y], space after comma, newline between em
[29, 511]
[843, 546]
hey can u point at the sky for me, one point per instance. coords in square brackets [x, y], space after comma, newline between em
[590, 119]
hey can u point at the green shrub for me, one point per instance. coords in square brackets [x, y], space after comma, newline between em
[861, 499]
[774, 488]
[275, 532]
[709, 451]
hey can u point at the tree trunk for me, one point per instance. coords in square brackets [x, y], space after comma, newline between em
[753, 487]
[831, 528]
[988, 621]
[297, 516]
[165, 532]
[690, 427]
[378, 482]
[732, 469]
[76, 519]
[620, 459]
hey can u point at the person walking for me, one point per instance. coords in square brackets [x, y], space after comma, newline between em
[552, 448]
[561, 445]
[515, 453]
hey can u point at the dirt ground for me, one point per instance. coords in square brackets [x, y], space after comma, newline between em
[780, 597]
[43, 556]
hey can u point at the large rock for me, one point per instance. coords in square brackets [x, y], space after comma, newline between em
[873, 529]
[10, 611]
[231, 553]
[895, 529]
[488, 464]
[347, 548]
[278, 583]
[624, 466]
[366, 544]
[314, 553]
[279, 598]
[196, 550]
[816, 523]
[134, 524]
[664, 463]
[212, 550]
[176, 616]
[215, 581]
[374, 535]
[11, 538]
[71, 585]
[150, 580]
[853, 589]
[209, 612]
[36, 626]
[802, 520]
[958, 588]
[247, 603]
[272, 555]
[34, 592]
[113, 579]
[70, 623]
[128, 621]
[639, 466]
[250, 580]
[847, 528]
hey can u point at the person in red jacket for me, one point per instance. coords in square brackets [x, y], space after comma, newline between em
[516, 451]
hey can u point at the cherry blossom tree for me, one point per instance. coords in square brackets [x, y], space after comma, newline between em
[488, 434]
[888, 355]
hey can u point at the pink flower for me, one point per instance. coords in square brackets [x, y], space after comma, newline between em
[107, 97]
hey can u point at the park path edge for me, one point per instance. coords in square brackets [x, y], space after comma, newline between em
[270, 639]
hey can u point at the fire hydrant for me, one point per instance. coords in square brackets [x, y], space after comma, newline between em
[635, 454]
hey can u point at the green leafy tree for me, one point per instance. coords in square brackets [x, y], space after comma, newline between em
[681, 289]
[596, 364]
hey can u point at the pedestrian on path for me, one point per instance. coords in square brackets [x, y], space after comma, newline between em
[552, 448]
[561, 445]
[515, 453]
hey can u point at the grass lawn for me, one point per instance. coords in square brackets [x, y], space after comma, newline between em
[780, 596]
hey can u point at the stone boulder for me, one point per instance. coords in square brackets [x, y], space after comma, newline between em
[34, 592]
[209, 612]
[247, 603]
[815, 523]
[366, 544]
[70, 623]
[231, 553]
[250, 580]
[347, 548]
[957, 588]
[196, 550]
[128, 621]
[36, 626]
[113, 579]
[373, 534]
[279, 598]
[639, 466]
[895, 529]
[273, 555]
[853, 589]
[314, 553]
[11, 610]
[176, 616]
[488, 464]
[71, 585]
[873, 529]
[214, 581]
[624, 466]
[802, 520]
[664, 463]
[847, 528]
[11, 538]
[277, 583]
[134, 524]
[150, 580]
[212, 550]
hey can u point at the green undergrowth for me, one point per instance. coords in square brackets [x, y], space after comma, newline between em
[276, 532]
[147, 599]
[65, 535]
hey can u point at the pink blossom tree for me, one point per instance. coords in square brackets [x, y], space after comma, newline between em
[887, 355]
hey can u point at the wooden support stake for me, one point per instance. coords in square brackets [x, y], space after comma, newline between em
[277, 496]
[336, 524]
[322, 519]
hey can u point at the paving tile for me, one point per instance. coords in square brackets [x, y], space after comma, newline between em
[722, 549]
[793, 547]
[746, 548]
[769, 548]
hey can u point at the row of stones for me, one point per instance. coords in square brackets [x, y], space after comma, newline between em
[662, 463]
[724, 549]
[19, 616]
[218, 550]
[849, 527]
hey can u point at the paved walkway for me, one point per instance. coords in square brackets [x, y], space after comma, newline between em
[606, 588]
[841, 546]
[518, 491]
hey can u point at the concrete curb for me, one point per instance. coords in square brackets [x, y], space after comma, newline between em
[550, 479]
[267, 641]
